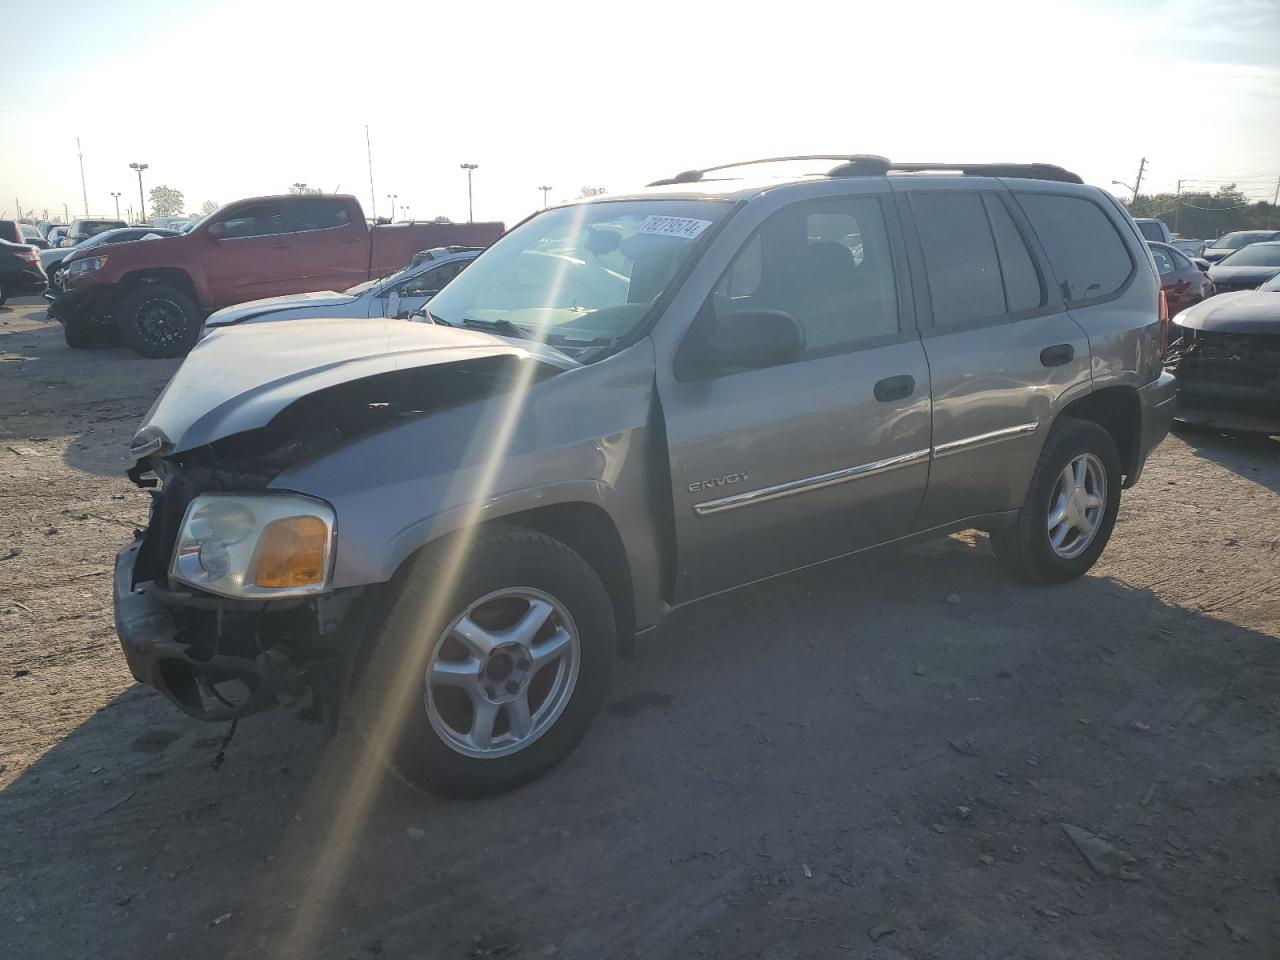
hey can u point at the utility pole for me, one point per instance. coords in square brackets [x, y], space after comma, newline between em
[373, 197]
[1137, 184]
[116, 195]
[1177, 206]
[141, 199]
[469, 167]
[83, 189]
[1275, 197]
[66, 215]
[545, 191]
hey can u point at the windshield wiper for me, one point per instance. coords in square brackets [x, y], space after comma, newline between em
[503, 328]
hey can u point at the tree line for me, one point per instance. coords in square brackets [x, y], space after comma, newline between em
[1207, 216]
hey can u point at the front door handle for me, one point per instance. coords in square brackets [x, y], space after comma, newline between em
[1057, 355]
[895, 388]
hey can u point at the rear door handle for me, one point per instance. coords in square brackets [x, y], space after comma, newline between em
[1057, 355]
[895, 388]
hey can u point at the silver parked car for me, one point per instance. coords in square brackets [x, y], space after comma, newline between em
[398, 294]
[623, 406]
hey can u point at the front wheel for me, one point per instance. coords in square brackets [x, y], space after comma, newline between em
[481, 685]
[1070, 508]
[158, 321]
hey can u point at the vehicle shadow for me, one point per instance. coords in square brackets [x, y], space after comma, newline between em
[881, 744]
[94, 397]
[1241, 453]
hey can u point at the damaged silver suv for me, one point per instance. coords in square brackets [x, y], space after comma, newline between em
[454, 526]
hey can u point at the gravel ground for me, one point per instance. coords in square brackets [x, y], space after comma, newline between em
[873, 760]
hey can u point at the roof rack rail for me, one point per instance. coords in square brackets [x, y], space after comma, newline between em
[870, 165]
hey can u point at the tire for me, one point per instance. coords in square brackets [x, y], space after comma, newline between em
[4, 294]
[158, 321]
[1025, 548]
[79, 335]
[426, 732]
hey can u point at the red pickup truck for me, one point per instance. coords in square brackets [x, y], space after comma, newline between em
[155, 293]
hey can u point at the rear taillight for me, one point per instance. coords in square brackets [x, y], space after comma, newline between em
[1164, 324]
[29, 254]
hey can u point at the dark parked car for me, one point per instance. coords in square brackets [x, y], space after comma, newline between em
[1247, 269]
[11, 231]
[1226, 356]
[20, 272]
[83, 228]
[57, 233]
[1228, 244]
[32, 236]
[1182, 281]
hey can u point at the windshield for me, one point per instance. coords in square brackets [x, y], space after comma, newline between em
[1254, 255]
[583, 275]
[1234, 241]
[391, 277]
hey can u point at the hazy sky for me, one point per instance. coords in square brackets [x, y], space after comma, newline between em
[231, 98]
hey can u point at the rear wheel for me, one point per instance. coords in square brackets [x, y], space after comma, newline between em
[158, 321]
[1070, 508]
[492, 685]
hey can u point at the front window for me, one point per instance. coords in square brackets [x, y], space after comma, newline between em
[1236, 241]
[579, 276]
[1255, 255]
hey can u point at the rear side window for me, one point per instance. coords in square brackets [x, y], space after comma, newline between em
[322, 214]
[1151, 231]
[1084, 247]
[960, 257]
[1023, 289]
[9, 231]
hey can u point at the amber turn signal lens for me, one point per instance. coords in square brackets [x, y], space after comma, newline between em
[291, 553]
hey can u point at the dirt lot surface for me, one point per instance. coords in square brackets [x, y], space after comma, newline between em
[875, 760]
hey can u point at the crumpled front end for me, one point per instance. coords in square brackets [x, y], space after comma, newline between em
[1228, 380]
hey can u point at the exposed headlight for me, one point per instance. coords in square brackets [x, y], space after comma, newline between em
[268, 545]
[78, 268]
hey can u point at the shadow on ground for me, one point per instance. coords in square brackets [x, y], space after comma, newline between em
[843, 763]
[1245, 454]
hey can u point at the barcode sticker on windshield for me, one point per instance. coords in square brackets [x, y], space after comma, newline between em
[685, 227]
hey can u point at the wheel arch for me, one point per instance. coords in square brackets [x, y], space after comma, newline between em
[171, 276]
[1118, 411]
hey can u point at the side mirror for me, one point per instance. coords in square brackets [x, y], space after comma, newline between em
[216, 231]
[748, 339]
[1202, 264]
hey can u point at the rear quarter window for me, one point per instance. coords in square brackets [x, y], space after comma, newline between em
[1085, 249]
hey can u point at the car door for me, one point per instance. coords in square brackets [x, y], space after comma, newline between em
[775, 468]
[250, 253]
[412, 293]
[1003, 353]
[331, 248]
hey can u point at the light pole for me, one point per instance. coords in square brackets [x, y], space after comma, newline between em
[392, 197]
[469, 167]
[1118, 183]
[84, 191]
[141, 199]
[404, 211]
[116, 195]
[66, 214]
[545, 191]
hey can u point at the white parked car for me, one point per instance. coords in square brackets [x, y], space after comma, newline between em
[396, 295]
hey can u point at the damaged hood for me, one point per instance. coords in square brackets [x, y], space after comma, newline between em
[255, 308]
[237, 380]
[1247, 312]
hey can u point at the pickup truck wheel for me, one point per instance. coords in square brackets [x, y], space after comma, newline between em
[496, 684]
[158, 321]
[1070, 507]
